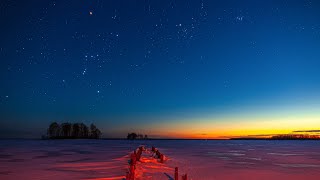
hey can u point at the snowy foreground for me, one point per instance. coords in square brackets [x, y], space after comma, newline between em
[200, 159]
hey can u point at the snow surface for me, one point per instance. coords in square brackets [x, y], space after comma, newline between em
[200, 159]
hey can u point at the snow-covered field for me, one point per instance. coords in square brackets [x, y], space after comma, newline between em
[200, 159]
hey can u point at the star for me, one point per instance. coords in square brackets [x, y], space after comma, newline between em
[239, 18]
[84, 71]
[90, 12]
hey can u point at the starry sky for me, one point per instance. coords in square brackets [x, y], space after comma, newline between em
[170, 68]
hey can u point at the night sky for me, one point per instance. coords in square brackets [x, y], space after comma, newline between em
[169, 68]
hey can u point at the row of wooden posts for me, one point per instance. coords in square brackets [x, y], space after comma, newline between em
[136, 155]
[158, 154]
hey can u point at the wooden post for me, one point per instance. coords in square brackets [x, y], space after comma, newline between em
[140, 152]
[176, 175]
[132, 172]
[128, 175]
[133, 175]
[138, 155]
[185, 177]
[133, 159]
[158, 153]
[161, 158]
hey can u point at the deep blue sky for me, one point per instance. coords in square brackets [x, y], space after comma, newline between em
[126, 64]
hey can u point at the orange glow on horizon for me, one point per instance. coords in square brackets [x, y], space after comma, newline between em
[229, 128]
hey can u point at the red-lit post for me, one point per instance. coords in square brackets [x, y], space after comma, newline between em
[158, 153]
[185, 177]
[132, 170]
[161, 158]
[176, 175]
[133, 159]
[140, 152]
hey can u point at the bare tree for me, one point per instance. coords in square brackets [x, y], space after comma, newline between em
[95, 132]
[66, 130]
[84, 130]
[54, 130]
[76, 131]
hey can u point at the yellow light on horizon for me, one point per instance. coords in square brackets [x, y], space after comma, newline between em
[225, 128]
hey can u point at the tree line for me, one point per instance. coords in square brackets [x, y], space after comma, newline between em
[72, 131]
[295, 137]
[133, 135]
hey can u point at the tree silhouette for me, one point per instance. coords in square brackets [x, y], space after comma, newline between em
[295, 137]
[84, 131]
[95, 132]
[76, 131]
[66, 130]
[54, 130]
[72, 131]
[132, 136]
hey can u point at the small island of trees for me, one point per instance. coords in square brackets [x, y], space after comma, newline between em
[72, 131]
[133, 136]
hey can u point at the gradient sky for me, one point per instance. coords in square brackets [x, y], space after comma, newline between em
[176, 68]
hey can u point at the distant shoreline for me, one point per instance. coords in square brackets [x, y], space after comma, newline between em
[164, 139]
